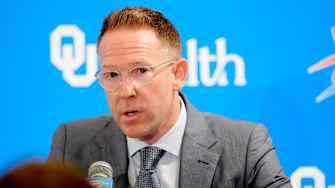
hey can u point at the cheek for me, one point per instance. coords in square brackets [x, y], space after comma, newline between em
[111, 103]
[160, 95]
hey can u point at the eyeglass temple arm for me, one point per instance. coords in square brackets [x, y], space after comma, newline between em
[166, 63]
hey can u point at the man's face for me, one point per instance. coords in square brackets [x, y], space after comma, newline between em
[156, 105]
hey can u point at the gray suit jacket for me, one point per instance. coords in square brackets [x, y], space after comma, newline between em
[215, 151]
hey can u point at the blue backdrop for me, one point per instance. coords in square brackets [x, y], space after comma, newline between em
[250, 60]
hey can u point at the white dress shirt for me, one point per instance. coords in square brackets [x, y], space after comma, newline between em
[169, 165]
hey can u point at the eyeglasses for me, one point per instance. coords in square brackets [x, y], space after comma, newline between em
[140, 76]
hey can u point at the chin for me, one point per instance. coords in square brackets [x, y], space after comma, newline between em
[133, 132]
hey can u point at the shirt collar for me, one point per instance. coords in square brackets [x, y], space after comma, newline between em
[170, 142]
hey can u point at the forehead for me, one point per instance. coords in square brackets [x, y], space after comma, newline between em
[129, 46]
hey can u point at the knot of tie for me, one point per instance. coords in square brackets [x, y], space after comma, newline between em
[149, 157]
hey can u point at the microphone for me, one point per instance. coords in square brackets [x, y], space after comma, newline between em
[100, 175]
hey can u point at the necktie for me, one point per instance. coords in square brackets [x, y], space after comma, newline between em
[148, 177]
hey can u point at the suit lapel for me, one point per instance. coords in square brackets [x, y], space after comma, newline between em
[198, 158]
[113, 149]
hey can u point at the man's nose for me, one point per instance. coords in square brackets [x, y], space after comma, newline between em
[127, 88]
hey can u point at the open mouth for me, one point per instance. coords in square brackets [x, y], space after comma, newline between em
[130, 113]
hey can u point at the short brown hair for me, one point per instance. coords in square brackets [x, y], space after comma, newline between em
[141, 17]
[44, 176]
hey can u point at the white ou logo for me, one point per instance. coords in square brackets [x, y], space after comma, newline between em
[219, 76]
[309, 172]
[70, 57]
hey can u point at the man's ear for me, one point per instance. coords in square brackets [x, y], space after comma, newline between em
[180, 72]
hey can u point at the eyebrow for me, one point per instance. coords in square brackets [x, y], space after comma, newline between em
[131, 65]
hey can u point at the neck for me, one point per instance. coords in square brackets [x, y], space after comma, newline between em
[168, 124]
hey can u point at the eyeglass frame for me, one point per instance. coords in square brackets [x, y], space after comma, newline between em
[150, 67]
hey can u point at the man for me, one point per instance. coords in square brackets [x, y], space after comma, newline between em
[155, 137]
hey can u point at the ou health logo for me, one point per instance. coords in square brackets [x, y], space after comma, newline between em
[70, 57]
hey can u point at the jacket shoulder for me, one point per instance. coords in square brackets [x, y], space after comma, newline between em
[222, 125]
[236, 136]
[73, 138]
[89, 125]
[79, 133]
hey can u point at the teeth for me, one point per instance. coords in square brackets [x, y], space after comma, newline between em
[130, 113]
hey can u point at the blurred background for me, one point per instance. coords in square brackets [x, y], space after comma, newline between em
[249, 60]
